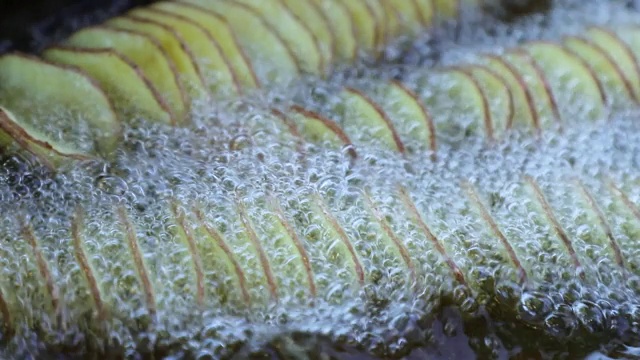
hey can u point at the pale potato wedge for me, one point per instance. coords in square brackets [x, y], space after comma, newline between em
[615, 82]
[16, 135]
[362, 116]
[174, 46]
[409, 17]
[69, 107]
[308, 12]
[296, 34]
[147, 54]
[217, 72]
[273, 60]
[578, 92]
[221, 31]
[342, 26]
[127, 87]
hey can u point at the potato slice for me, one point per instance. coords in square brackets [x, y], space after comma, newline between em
[344, 31]
[309, 13]
[218, 29]
[69, 106]
[273, 60]
[217, 72]
[496, 91]
[525, 114]
[630, 37]
[147, 54]
[362, 116]
[127, 87]
[615, 82]
[297, 35]
[576, 88]
[48, 151]
[174, 46]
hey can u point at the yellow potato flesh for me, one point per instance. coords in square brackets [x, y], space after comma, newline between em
[217, 74]
[342, 26]
[273, 61]
[605, 68]
[62, 103]
[218, 29]
[297, 36]
[146, 54]
[127, 87]
[174, 47]
[310, 14]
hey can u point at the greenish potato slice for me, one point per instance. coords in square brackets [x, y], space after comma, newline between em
[576, 88]
[219, 29]
[409, 19]
[273, 60]
[24, 137]
[173, 45]
[342, 27]
[69, 106]
[308, 12]
[127, 87]
[362, 116]
[297, 35]
[147, 54]
[217, 73]
[615, 82]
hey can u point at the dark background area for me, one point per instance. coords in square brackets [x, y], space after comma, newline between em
[31, 25]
